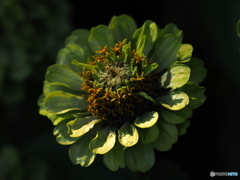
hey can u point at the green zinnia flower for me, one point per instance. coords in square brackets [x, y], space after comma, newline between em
[122, 92]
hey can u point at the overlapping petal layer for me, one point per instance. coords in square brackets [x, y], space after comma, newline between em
[149, 100]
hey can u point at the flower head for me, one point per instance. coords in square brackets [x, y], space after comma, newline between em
[122, 92]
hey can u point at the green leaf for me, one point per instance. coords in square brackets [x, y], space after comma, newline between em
[61, 133]
[238, 28]
[104, 140]
[147, 120]
[114, 158]
[195, 94]
[174, 100]
[60, 102]
[175, 77]
[182, 128]
[81, 126]
[146, 96]
[165, 53]
[100, 37]
[80, 37]
[128, 135]
[149, 135]
[122, 27]
[140, 157]
[185, 53]
[146, 38]
[176, 117]
[72, 52]
[61, 74]
[150, 69]
[80, 153]
[198, 72]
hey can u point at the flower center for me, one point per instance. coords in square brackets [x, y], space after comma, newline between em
[113, 86]
[114, 74]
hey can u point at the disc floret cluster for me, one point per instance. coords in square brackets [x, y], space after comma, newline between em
[116, 83]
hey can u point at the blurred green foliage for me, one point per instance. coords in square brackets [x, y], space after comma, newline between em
[238, 28]
[12, 167]
[31, 32]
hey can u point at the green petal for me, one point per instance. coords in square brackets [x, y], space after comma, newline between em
[171, 29]
[198, 72]
[133, 68]
[165, 53]
[122, 27]
[43, 111]
[81, 126]
[168, 135]
[146, 38]
[170, 129]
[185, 53]
[146, 96]
[147, 120]
[53, 87]
[60, 102]
[150, 69]
[238, 28]
[135, 37]
[128, 135]
[61, 74]
[149, 135]
[62, 136]
[127, 53]
[176, 117]
[176, 76]
[72, 52]
[174, 100]
[195, 93]
[87, 66]
[57, 118]
[100, 37]
[162, 143]
[182, 128]
[80, 153]
[114, 158]
[103, 141]
[40, 103]
[80, 37]
[140, 157]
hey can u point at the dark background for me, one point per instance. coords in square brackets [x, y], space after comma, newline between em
[33, 32]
